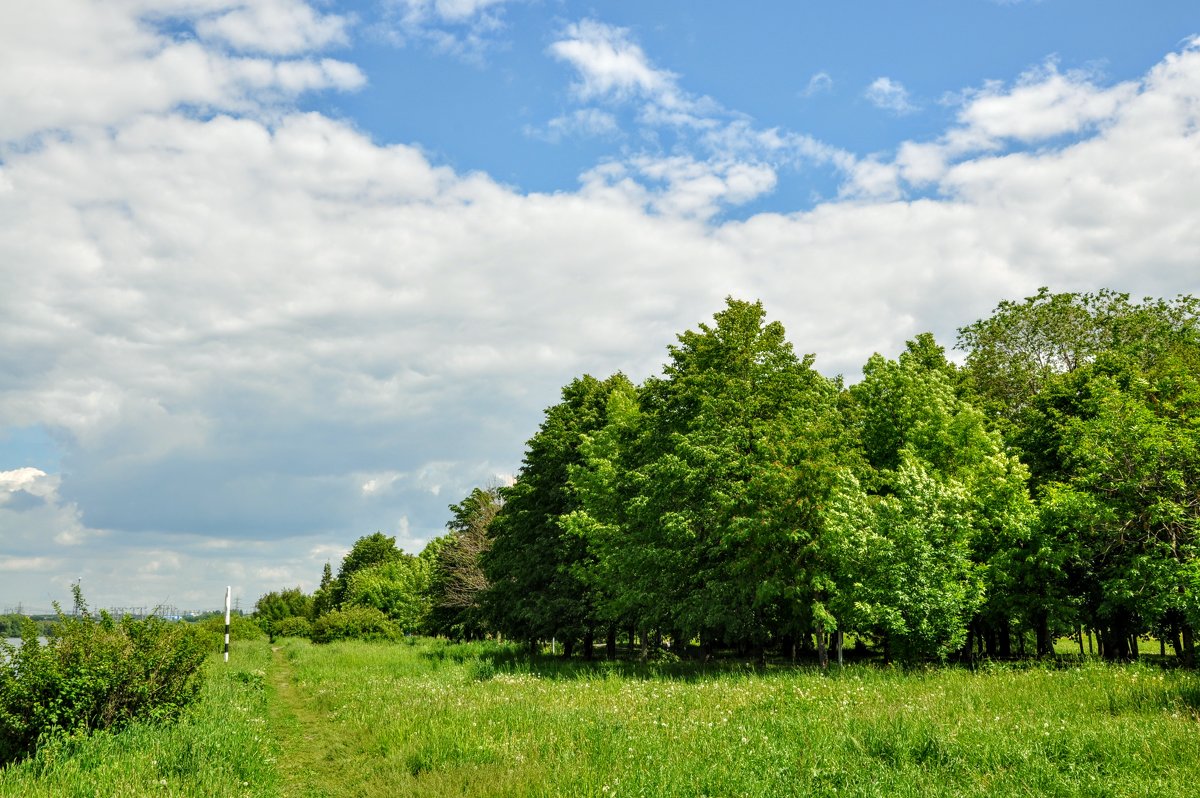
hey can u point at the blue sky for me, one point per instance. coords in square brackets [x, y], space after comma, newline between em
[797, 66]
[280, 273]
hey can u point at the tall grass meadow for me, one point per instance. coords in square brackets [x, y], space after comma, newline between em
[430, 718]
[438, 719]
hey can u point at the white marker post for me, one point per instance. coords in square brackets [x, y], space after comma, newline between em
[227, 590]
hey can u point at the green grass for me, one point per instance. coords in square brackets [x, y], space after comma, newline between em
[222, 747]
[1147, 647]
[433, 719]
[427, 718]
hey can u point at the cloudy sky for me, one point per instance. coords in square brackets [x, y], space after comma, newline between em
[281, 273]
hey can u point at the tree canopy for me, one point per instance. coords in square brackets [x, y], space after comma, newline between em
[741, 500]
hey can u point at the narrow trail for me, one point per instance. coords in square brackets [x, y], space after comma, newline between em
[307, 764]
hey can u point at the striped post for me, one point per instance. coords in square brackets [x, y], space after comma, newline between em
[227, 590]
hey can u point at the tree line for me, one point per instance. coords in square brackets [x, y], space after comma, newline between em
[741, 500]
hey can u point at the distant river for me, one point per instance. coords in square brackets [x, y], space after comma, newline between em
[16, 641]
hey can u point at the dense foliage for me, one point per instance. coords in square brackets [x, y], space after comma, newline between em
[354, 623]
[95, 672]
[241, 628]
[279, 610]
[740, 500]
[380, 593]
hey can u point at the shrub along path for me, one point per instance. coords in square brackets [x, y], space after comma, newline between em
[220, 748]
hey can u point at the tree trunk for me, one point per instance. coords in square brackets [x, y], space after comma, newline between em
[1081, 641]
[645, 655]
[589, 643]
[787, 647]
[991, 641]
[1045, 647]
[822, 650]
[1189, 646]
[568, 647]
[1005, 640]
[1116, 640]
[610, 642]
[839, 646]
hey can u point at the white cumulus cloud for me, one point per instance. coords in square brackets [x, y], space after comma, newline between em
[1043, 103]
[740, 161]
[70, 62]
[610, 63]
[280, 27]
[263, 335]
[889, 95]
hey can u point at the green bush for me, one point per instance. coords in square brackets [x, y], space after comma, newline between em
[241, 627]
[292, 627]
[354, 623]
[95, 673]
[277, 605]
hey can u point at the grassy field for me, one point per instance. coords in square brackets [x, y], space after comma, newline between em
[427, 718]
[222, 747]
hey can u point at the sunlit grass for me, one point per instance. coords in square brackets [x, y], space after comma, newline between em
[432, 719]
[222, 747]
[428, 718]
[1147, 647]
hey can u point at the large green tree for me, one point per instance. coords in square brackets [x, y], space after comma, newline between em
[705, 499]
[277, 606]
[398, 587]
[605, 484]
[367, 551]
[1021, 358]
[937, 499]
[1096, 392]
[1126, 505]
[534, 566]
